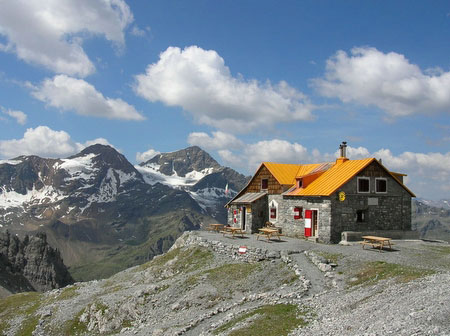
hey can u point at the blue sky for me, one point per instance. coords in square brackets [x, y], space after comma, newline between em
[248, 81]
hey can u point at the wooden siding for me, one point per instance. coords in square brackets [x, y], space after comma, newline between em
[263, 173]
[373, 170]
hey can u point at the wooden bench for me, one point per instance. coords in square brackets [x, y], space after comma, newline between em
[215, 227]
[376, 242]
[233, 231]
[268, 233]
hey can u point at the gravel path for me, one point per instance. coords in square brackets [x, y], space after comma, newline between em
[419, 307]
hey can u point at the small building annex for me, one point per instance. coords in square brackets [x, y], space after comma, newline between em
[323, 200]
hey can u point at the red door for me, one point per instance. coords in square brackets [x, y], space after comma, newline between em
[308, 217]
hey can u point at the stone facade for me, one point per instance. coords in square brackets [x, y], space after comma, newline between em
[256, 215]
[382, 211]
[359, 211]
[296, 227]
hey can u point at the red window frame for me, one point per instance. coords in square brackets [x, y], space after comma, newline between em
[298, 212]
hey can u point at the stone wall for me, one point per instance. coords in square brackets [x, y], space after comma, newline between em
[383, 211]
[296, 227]
[255, 218]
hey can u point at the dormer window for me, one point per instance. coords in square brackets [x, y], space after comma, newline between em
[300, 183]
[264, 184]
[363, 184]
[380, 185]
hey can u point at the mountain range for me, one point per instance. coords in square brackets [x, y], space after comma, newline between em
[103, 214]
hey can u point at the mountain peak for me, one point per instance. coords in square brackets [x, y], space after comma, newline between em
[183, 161]
[98, 149]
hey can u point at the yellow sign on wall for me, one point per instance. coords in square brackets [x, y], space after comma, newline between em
[342, 196]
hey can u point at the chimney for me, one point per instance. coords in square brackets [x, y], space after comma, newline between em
[343, 153]
[343, 149]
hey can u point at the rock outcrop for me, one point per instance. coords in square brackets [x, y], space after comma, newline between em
[31, 264]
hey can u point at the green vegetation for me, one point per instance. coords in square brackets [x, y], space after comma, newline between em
[75, 326]
[269, 320]
[224, 277]
[68, 293]
[28, 326]
[380, 270]
[101, 263]
[181, 260]
[442, 250]
[25, 304]
[332, 257]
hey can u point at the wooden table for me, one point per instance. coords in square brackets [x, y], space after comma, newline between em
[233, 231]
[376, 242]
[268, 233]
[215, 227]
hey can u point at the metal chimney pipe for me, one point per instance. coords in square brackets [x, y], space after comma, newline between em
[343, 149]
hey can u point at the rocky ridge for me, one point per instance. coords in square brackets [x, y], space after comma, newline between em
[204, 286]
[30, 264]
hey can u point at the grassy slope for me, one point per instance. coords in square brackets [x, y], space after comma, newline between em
[163, 231]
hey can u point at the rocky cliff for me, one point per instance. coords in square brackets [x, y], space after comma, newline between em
[30, 264]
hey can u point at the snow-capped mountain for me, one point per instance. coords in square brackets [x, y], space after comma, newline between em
[96, 201]
[196, 172]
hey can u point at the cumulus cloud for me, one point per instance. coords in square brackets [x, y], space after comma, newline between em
[143, 157]
[20, 116]
[199, 81]
[251, 155]
[218, 140]
[67, 93]
[45, 142]
[50, 32]
[386, 80]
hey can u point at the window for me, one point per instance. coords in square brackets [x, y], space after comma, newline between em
[361, 216]
[363, 184]
[380, 185]
[264, 184]
[299, 183]
[298, 213]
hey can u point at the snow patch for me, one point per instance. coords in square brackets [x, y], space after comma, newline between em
[45, 195]
[10, 162]
[152, 175]
[210, 197]
[78, 168]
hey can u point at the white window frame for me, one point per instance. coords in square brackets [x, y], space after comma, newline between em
[357, 185]
[273, 204]
[381, 178]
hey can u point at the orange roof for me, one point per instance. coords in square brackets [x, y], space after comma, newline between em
[335, 177]
[286, 173]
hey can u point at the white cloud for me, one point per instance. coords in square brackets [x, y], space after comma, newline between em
[275, 150]
[101, 141]
[388, 81]
[50, 32]
[199, 82]
[428, 173]
[219, 140]
[143, 157]
[44, 142]
[136, 31]
[67, 93]
[20, 116]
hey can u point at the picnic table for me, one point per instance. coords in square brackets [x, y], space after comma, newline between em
[215, 227]
[376, 242]
[233, 231]
[268, 233]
